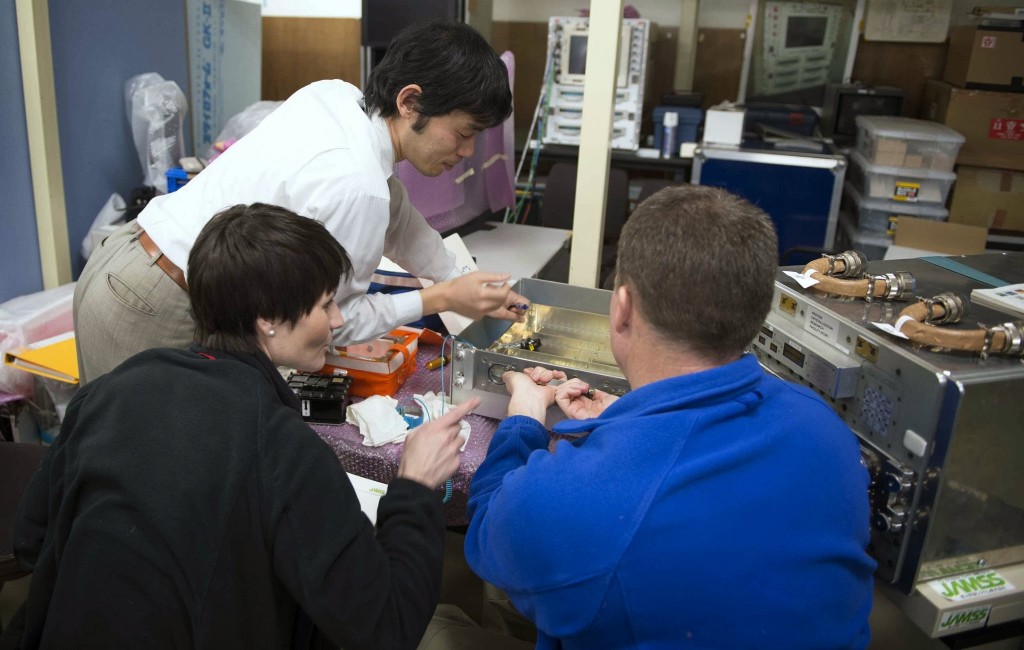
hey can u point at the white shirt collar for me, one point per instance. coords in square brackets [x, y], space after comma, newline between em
[382, 138]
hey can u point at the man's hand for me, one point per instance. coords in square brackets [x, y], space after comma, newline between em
[544, 376]
[431, 452]
[577, 401]
[527, 397]
[473, 295]
[515, 308]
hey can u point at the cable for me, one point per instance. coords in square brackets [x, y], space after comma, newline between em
[539, 116]
[449, 485]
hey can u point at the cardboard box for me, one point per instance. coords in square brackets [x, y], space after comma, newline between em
[991, 198]
[940, 237]
[992, 123]
[986, 58]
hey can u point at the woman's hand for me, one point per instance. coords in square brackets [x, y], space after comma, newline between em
[431, 453]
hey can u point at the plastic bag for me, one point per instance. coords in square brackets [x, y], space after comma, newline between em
[28, 319]
[240, 124]
[156, 109]
[111, 213]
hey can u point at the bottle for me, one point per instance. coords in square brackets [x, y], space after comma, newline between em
[668, 136]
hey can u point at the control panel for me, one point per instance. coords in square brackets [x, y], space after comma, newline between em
[568, 39]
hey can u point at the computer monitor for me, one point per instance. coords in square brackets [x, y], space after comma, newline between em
[798, 43]
[844, 102]
[573, 69]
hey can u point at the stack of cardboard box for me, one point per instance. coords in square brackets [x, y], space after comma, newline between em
[982, 96]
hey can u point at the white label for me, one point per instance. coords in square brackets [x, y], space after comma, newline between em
[823, 326]
[971, 586]
[889, 329]
[801, 279]
[305, 408]
[988, 42]
[962, 619]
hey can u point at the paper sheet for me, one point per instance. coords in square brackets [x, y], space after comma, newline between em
[463, 261]
[369, 493]
[916, 21]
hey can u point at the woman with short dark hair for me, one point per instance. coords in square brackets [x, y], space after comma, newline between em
[185, 502]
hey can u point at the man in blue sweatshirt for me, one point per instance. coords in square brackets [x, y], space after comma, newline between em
[712, 506]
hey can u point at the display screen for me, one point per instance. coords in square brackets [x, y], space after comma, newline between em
[851, 105]
[577, 55]
[794, 355]
[806, 31]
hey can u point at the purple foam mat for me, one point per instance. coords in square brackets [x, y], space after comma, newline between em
[381, 463]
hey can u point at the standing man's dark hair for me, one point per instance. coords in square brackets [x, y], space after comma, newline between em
[286, 262]
[453, 65]
[702, 263]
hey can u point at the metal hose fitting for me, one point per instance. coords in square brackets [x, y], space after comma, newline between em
[900, 285]
[853, 263]
[1013, 338]
[953, 309]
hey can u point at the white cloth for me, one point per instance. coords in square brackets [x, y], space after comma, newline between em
[378, 420]
[436, 407]
[320, 156]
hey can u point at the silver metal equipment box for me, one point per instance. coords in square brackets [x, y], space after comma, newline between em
[566, 329]
[941, 432]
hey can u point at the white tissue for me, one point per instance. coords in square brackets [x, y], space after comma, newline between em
[436, 407]
[378, 420]
[380, 423]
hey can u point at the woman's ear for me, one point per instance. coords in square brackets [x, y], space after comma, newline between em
[265, 328]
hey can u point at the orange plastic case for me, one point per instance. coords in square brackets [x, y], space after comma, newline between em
[377, 367]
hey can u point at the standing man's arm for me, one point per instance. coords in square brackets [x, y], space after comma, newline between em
[418, 248]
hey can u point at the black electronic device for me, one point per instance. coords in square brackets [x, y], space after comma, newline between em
[844, 102]
[383, 19]
[322, 398]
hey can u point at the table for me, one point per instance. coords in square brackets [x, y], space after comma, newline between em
[512, 248]
[515, 248]
[381, 463]
[679, 168]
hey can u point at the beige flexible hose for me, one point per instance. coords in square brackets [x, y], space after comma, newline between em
[844, 275]
[915, 322]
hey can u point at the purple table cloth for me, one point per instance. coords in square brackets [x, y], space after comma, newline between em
[381, 463]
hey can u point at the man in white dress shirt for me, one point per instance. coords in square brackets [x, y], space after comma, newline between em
[326, 153]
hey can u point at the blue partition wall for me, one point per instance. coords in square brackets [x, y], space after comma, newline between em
[97, 46]
[19, 246]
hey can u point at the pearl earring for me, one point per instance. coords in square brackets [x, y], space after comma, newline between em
[271, 332]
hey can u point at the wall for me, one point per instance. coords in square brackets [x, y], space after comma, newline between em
[318, 39]
[313, 8]
[19, 244]
[97, 47]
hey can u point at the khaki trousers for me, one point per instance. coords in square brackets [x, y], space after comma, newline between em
[124, 304]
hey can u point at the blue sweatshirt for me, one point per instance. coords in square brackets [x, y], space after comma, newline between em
[721, 509]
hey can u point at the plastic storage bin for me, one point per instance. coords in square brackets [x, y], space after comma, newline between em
[882, 215]
[848, 237]
[899, 183]
[686, 131]
[906, 142]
